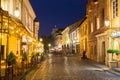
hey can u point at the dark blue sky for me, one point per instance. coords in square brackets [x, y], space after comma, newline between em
[57, 12]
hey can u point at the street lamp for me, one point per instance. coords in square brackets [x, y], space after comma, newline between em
[107, 22]
[41, 39]
[49, 45]
[16, 12]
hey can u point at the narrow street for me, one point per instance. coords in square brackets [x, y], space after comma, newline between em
[71, 68]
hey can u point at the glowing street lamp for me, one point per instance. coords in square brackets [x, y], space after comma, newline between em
[49, 45]
[41, 39]
[107, 22]
[16, 12]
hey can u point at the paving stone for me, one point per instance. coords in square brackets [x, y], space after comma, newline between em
[71, 68]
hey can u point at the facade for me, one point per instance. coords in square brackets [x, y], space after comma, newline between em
[75, 37]
[103, 37]
[112, 14]
[96, 28]
[66, 41]
[53, 33]
[84, 37]
[58, 40]
[57, 37]
[18, 30]
[38, 45]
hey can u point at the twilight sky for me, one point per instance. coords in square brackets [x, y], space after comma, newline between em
[57, 12]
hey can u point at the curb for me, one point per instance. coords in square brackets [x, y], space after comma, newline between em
[117, 69]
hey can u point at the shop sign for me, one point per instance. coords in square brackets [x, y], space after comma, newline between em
[24, 39]
[115, 34]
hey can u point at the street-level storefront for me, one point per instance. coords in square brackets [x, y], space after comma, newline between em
[116, 45]
[11, 36]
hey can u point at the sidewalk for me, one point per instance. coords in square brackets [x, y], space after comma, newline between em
[115, 71]
[105, 68]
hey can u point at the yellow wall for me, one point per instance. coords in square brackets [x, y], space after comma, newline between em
[14, 45]
[4, 42]
[84, 37]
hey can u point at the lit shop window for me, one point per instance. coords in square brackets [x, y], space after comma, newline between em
[98, 23]
[91, 27]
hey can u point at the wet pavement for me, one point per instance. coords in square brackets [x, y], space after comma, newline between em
[70, 68]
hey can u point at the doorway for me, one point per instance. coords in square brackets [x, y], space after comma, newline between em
[103, 52]
[2, 51]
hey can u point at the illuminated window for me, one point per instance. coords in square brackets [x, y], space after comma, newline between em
[115, 8]
[98, 23]
[91, 27]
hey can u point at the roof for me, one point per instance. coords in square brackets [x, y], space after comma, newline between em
[75, 25]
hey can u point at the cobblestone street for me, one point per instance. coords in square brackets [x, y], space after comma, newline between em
[71, 68]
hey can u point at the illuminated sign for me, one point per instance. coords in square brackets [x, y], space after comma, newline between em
[24, 39]
[115, 34]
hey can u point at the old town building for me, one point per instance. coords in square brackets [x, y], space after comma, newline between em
[84, 37]
[75, 37]
[112, 17]
[95, 15]
[103, 20]
[65, 41]
[57, 37]
[18, 29]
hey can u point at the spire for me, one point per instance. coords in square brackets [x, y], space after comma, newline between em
[55, 26]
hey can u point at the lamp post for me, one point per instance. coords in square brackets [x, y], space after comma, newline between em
[49, 45]
[107, 22]
[16, 12]
[41, 39]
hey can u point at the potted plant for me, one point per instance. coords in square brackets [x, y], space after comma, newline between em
[37, 55]
[117, 52]
[32, 57]
[111, 51]
[112, 62]
[24, 56]
[11, 58]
